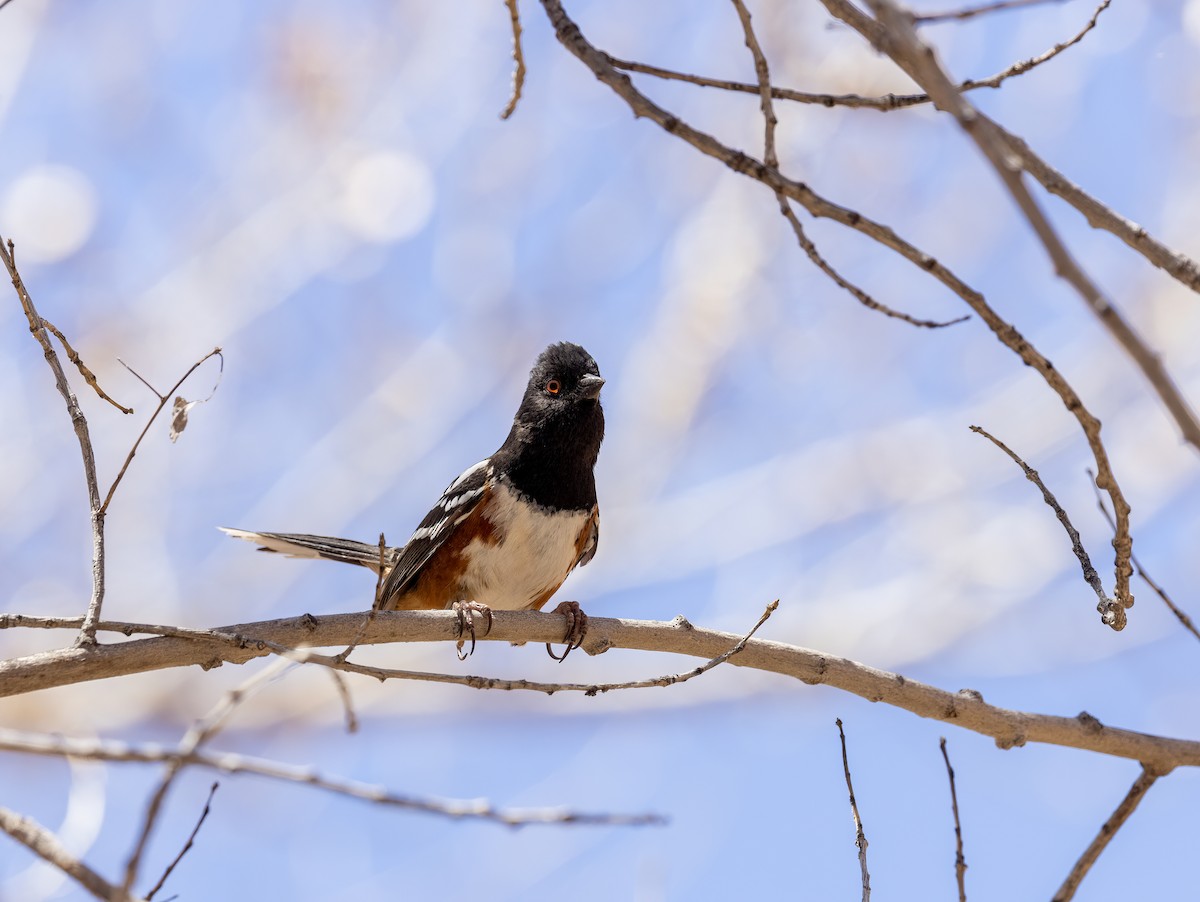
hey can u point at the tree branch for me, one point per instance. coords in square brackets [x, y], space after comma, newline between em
[187, 845]
[518, 55]
[884, 104]
[569, 36]
[46, 845]
[960, 861]
[971, 12]
[1128, 805]
[1177, 265]
[243, 642]
[37, 326]
[860, 838]
[771, 159]
[162, 402]
[1111, 612]
[899, 40]
[199, 733]
[1180, 614]
[232, 763]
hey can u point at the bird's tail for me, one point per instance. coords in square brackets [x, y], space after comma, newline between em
[347, 551]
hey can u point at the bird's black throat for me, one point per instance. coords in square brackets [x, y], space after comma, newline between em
[550, 461]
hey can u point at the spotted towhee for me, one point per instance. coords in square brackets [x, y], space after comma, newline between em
[506, 532]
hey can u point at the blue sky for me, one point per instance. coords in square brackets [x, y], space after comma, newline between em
[327, 193]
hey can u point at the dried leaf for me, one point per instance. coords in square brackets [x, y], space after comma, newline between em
[179, 416]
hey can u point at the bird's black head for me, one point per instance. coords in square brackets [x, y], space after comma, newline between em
[556, 434]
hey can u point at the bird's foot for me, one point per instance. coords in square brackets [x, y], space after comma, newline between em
[466, 611]
[577, 623]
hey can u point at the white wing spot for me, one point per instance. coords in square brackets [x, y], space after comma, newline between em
[450, 502]
[467, 474]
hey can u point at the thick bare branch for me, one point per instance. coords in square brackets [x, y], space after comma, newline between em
[338, 663]
[242, 642]
[382, 674]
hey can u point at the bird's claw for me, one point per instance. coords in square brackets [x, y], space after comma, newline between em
[466, 624]
[577, 624]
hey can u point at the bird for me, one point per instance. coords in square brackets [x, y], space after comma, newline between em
[509, 529]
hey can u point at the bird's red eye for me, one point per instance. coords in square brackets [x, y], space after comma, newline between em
[553, 387]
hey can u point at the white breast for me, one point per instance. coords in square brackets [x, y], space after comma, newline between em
[536, 549]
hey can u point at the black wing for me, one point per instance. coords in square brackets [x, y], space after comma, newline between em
[460, 498]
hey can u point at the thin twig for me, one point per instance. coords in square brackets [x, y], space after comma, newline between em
[971, 12]
[46, 845]
[347, 702]
[186, 846]
[1128, 805]
[518, 78]
[37, 326]
[861, 296]
[1112, 612]
[88, 376]
[242, 642]
[771, 159]
[884, 104]
[140, 378]
[763, 73]
[1179, 613]
[860, 838]
[162, 402]
[960, 862]
[231, 763]
[202, 730]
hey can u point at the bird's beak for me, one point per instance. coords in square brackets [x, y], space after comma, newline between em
[589, 386]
